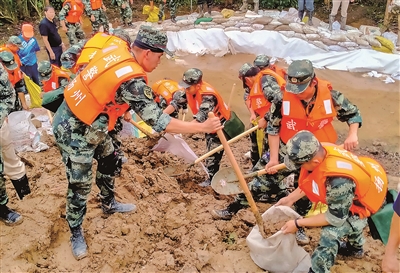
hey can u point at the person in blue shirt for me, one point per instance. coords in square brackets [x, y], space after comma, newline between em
[27, 53]
[390, 262]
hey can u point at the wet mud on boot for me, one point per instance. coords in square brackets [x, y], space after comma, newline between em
[78, 243]
[301, 237]
[227, 214]
[113, 207]
[9, 216]
[347, 250]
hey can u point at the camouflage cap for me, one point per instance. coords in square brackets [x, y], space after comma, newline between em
[191, 77]
[246, 67]
[152, 39]
[7, 58]
[301, 148]
[15, 40]
[124, 35]
[45, 70]
[300, 73]
[261, 61]
[70, 56]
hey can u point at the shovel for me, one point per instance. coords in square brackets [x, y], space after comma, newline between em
[226, 182]
[173, 171]
[144, 131]
[239, 174]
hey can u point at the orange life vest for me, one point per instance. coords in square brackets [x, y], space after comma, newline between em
[98, 41]
[16, 57]
[280, 71]
[54, 81]
[319, 121]
[258, 102]
[96, 4]
[368, 175]
[93, 91]
[166, 89]
[221, 110]
[75, 11]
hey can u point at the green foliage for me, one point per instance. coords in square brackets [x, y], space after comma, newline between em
[13, 10]
[278, 4]
[231, 238]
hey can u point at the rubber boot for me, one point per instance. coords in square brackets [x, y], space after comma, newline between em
[10, 217]
[113, 206]
[226, 214]
[256, 6]
[201, 12]
[243, 8]
[301, 15]
[78, 244]
[173, 19]
[310, 16]
[343, 23]
[331, 20]
[21, 186]
[346, 249]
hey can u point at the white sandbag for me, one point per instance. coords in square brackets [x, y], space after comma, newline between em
[263, 20]
[248, 20]
[241, 24]
[289, 34]
[219, 16]
[320, 44]
[337, 48]
[279, 252]
[285, 20]
[283, 28]
[236, 18]
[328, 42]
[185, 22]
[338, 37]
[324, 33]
[200, 26]
[296, 27]
[313, 37]
[362, 42]
[257, 26]
[348, 44]
[220, 20]
[171, 28]
[207, 23]
[275, 23]
[23, 132]
[187, 27]
[217, 26]
[232, 29]
[246, 29]
[300, 36]
[229, 24]
[310, 30]
[372, 41]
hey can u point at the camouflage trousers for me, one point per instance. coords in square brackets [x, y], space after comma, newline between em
[212, 163]
[254, 153]
[79, 144]
[171, 6]
[74, 33]
[323, 257]
[117, 143]
[273, 185]
[126, 13]
[100, 18]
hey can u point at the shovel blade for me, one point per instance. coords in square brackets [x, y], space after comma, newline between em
[226, 182]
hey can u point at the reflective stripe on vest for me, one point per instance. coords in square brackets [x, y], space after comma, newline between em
[221, 110]
[369, 176]
[93, 91]
[54, 81]
[258, 102]
[318, 121]
[75, 12]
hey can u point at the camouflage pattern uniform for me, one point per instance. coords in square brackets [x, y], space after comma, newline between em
[178, 101]
[340, 195]
[100, 17]
[172, 9]
[7, 104]
[126, 12]
[45, 70]
[75, 31]
[265, 186]
[80, 143]
[70, 56]
[208, 104]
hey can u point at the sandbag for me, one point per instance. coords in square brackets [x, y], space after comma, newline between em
[227, 13]
[234, 126]
[279, 252]
[152, 15]
[34, 91]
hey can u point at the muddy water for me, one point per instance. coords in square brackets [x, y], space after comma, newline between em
[378, 102]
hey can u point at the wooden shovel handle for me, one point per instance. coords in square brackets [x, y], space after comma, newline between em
[231, 95]
[264, 171]
[239, 174]
[144, 131]
[221, 147]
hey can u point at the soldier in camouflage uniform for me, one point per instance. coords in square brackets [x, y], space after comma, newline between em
[265, 186]
[245, 4]
[74, 30]
[7, 105]
[171, 6]
[80, 143]
[126, 11]
[97, 17]
[338, 222]
[45, 70]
